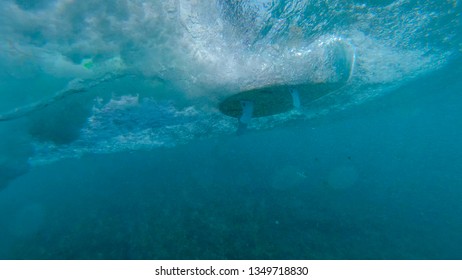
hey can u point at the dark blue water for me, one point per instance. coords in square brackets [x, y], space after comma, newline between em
[112, 145]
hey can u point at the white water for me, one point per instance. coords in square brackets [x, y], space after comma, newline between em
[189, 55]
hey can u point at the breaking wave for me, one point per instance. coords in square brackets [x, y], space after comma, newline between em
[80, 77]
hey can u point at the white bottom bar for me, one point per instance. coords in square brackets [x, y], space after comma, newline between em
[316, 270]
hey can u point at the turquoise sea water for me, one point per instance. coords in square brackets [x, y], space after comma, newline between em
[112, 145]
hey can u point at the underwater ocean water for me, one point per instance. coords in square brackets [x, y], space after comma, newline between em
[120, 138]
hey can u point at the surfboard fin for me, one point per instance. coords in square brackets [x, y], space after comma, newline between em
[247, 113]
[295, 98]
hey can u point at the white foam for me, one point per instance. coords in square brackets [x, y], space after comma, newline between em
[214, 49]
[192, 43]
